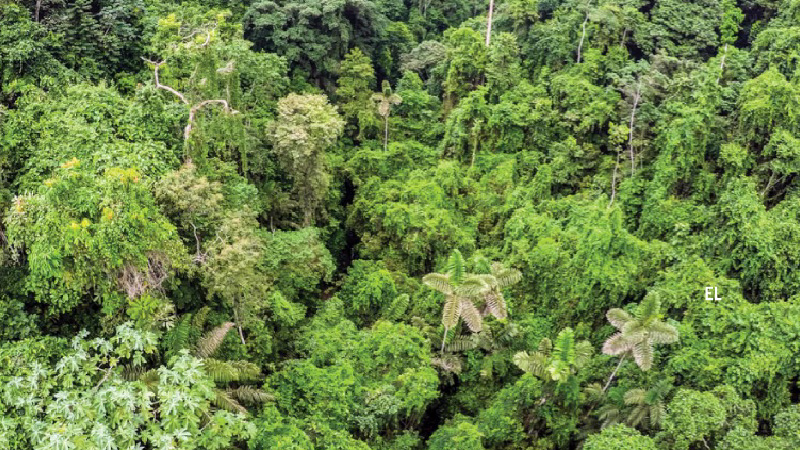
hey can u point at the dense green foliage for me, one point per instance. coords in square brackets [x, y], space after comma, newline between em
[400, 225]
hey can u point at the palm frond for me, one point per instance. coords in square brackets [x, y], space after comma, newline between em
[455, 265]
[643, 355]
[440, 282]
[507, 277]
[462, 343]
[649, 307]
[618, 317]
[583, 353]
[223, 400]
[209, 343]
[470, 314]
[450, 311]
[250, 395]
[496, 304]
[634, 397]
[662, 333]
[617, 345]
[472, 286]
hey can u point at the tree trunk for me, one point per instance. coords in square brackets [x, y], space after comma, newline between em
[636, 98]
[444, 339]
[489, 23]
[583, 36]
[614, 373]
[722, 63]
[614, 182]
[386, 133]
[238, 324]
[37, 10]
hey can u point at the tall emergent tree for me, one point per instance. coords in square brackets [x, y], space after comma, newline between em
[306, 126]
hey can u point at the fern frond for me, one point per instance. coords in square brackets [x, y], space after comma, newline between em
[200, 317]
[209, 343]
[250, 395]
[471, 316]
[220, 371]
[246, 371]
[546, 346]
[150, 378]
[223, 400]
[439, 282]
[564, 348]
[177, 338]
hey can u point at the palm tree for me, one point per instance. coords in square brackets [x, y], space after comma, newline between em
[648, 405]
[385, 100]
[556, 362]
[637, 334]
[489, 287]
[456, 305]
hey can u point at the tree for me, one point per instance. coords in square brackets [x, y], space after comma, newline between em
[556, 361]
[305, 127]
[637, 334]
[385, 100]
[84, 401]
[619, 437]
[648, 405]
[315, 35]
[354, 87]
[456, 305]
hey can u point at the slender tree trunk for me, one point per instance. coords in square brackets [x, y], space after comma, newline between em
[583, 36]
[37, 10]
[489, 23]
[722, 63]
[614, 373]
[614, 182]
[624, 35]
[636, 99]
[386, 133]
[444, 339]
[238, 324]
